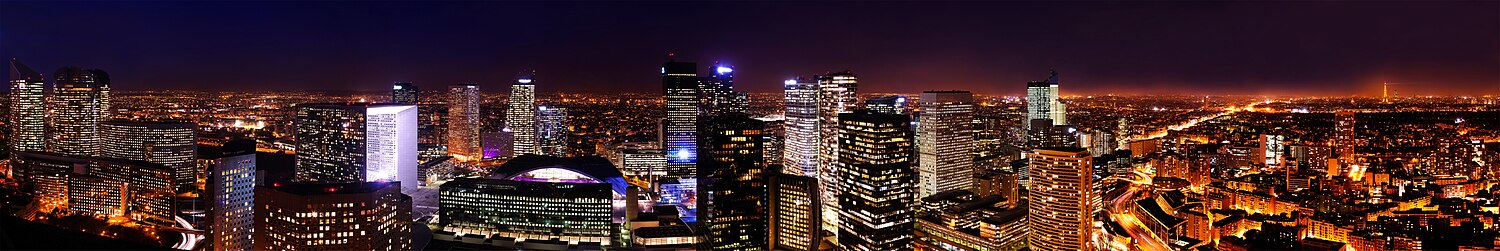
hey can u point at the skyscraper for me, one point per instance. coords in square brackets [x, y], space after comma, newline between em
[404, 93]
[946, 144]
[342, 143]
[733, 178]
[172, 144]
[836, 95]
[1042, 101]
[552, 131]
[877, 181]
[1061, 191]
[73, 113]
[337, 216]
[101, 81]
[716, 95]
[432, 131]
[795, 216]
[521, 116]
[1344, 141]
[463, 121]
[800, 148]
[231, 183]
[27, 114]
[680, 86]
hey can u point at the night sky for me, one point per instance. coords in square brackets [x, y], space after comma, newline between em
[1097, 47]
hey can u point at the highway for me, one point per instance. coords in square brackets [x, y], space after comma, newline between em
[1119, 211]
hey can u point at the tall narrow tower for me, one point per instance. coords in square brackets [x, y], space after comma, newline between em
[27, 113]
[680, 86]
[876, 181]
[836, 95]
[521, 116]
[1060, 187]
[463, 120]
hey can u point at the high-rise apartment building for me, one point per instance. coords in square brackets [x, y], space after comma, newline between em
[946, 142]
[231, 185]
[404, 93]
[27, 114]
[73, 113]
[680, 86]
[172, 144]
[795, 218]
[552, 131]
[463, 121]
[356, 142]
[332, 216]
[732, 181]
[521, 117]
[877, 181]
[1061, 192]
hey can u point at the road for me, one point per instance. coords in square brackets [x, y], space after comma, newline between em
[1120, 212]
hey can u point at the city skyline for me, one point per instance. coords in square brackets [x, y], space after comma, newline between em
[1336, 49]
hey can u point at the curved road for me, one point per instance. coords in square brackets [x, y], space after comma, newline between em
[1120, 212]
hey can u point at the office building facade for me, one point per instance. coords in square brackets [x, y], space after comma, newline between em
[73, 113]
[552, 131]
[680, 87]
[404, 93]
[733, 178]
[946, 142]
[173, 144]
[332, 216]
[27, 116]
[343, 143]
[231, 183]
[877, 181]
[795, 212]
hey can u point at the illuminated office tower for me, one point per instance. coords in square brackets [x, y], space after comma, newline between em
[800, 154]
[795, 216]
[463, 121]
[733, 178]
[835, 96]
[355, 142]
[552, 131]
[101, 81]
[716, 95]
[680, 85]
[432, 131]
[231, 183]
[1061, 191]
[893, 104]
[336, 216]
[946, 144]
[1042, 101]
[27, 114]
[878, 183]
[404, 93]
[1100, 142]
[1275, 146]
[521, 116]
[172, 144]
[73, 113]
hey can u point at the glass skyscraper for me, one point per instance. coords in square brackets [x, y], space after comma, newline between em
[733, 182]
[27, 114]
[73, 113]
[341, 143]
[335, 216]
[231, 184]
[552, 131]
